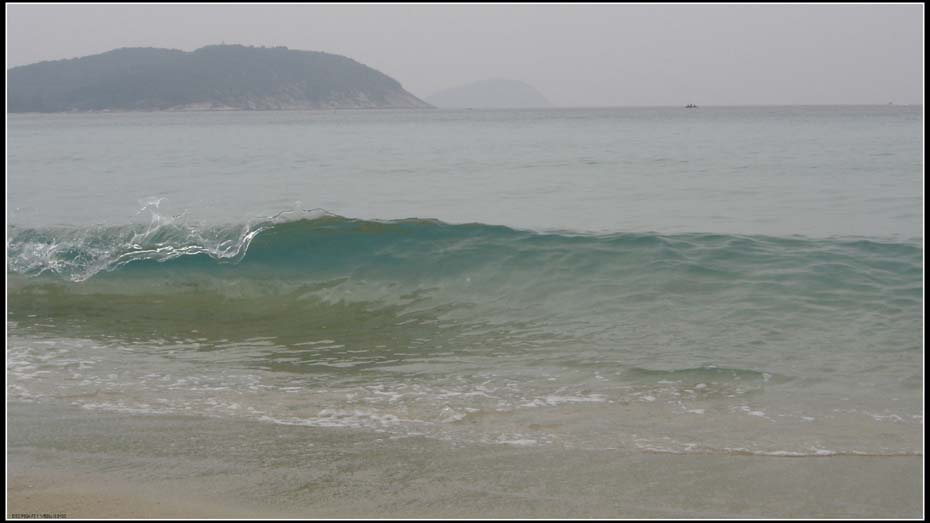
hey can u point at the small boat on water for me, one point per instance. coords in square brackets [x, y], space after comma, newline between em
[690, 106]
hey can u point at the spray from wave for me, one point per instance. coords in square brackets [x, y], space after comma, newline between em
[309, 239]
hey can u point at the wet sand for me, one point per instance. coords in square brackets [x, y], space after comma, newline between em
[63, 459]
[45, 491]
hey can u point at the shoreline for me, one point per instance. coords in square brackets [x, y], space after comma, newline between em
[225, 110]
[63, 459]
[61, 494]
[453, 109]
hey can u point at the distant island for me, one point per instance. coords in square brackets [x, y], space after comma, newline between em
[216, 77]
[490, 94]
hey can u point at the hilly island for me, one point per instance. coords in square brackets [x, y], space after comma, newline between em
[216, 77]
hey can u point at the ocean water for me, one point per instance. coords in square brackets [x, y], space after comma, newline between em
[721, 281]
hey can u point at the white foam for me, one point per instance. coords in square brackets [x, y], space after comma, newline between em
[518, 441]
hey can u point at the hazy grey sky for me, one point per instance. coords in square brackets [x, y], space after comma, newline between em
[574, 54]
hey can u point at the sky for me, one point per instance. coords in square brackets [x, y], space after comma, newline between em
[575, 54]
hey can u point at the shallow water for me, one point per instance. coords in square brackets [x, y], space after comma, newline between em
[90, 462]
[479, 333]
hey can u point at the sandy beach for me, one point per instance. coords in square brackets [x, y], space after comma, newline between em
[89, 464]
[57, 493]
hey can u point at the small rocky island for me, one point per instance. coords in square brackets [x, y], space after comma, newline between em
[494, 93]
[216, 77]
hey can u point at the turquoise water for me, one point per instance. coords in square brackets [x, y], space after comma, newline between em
[728, 280]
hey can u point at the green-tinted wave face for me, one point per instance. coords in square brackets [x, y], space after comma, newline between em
[287, 278]
[417, 249]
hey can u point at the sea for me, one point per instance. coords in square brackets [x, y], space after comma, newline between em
[722, 282]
